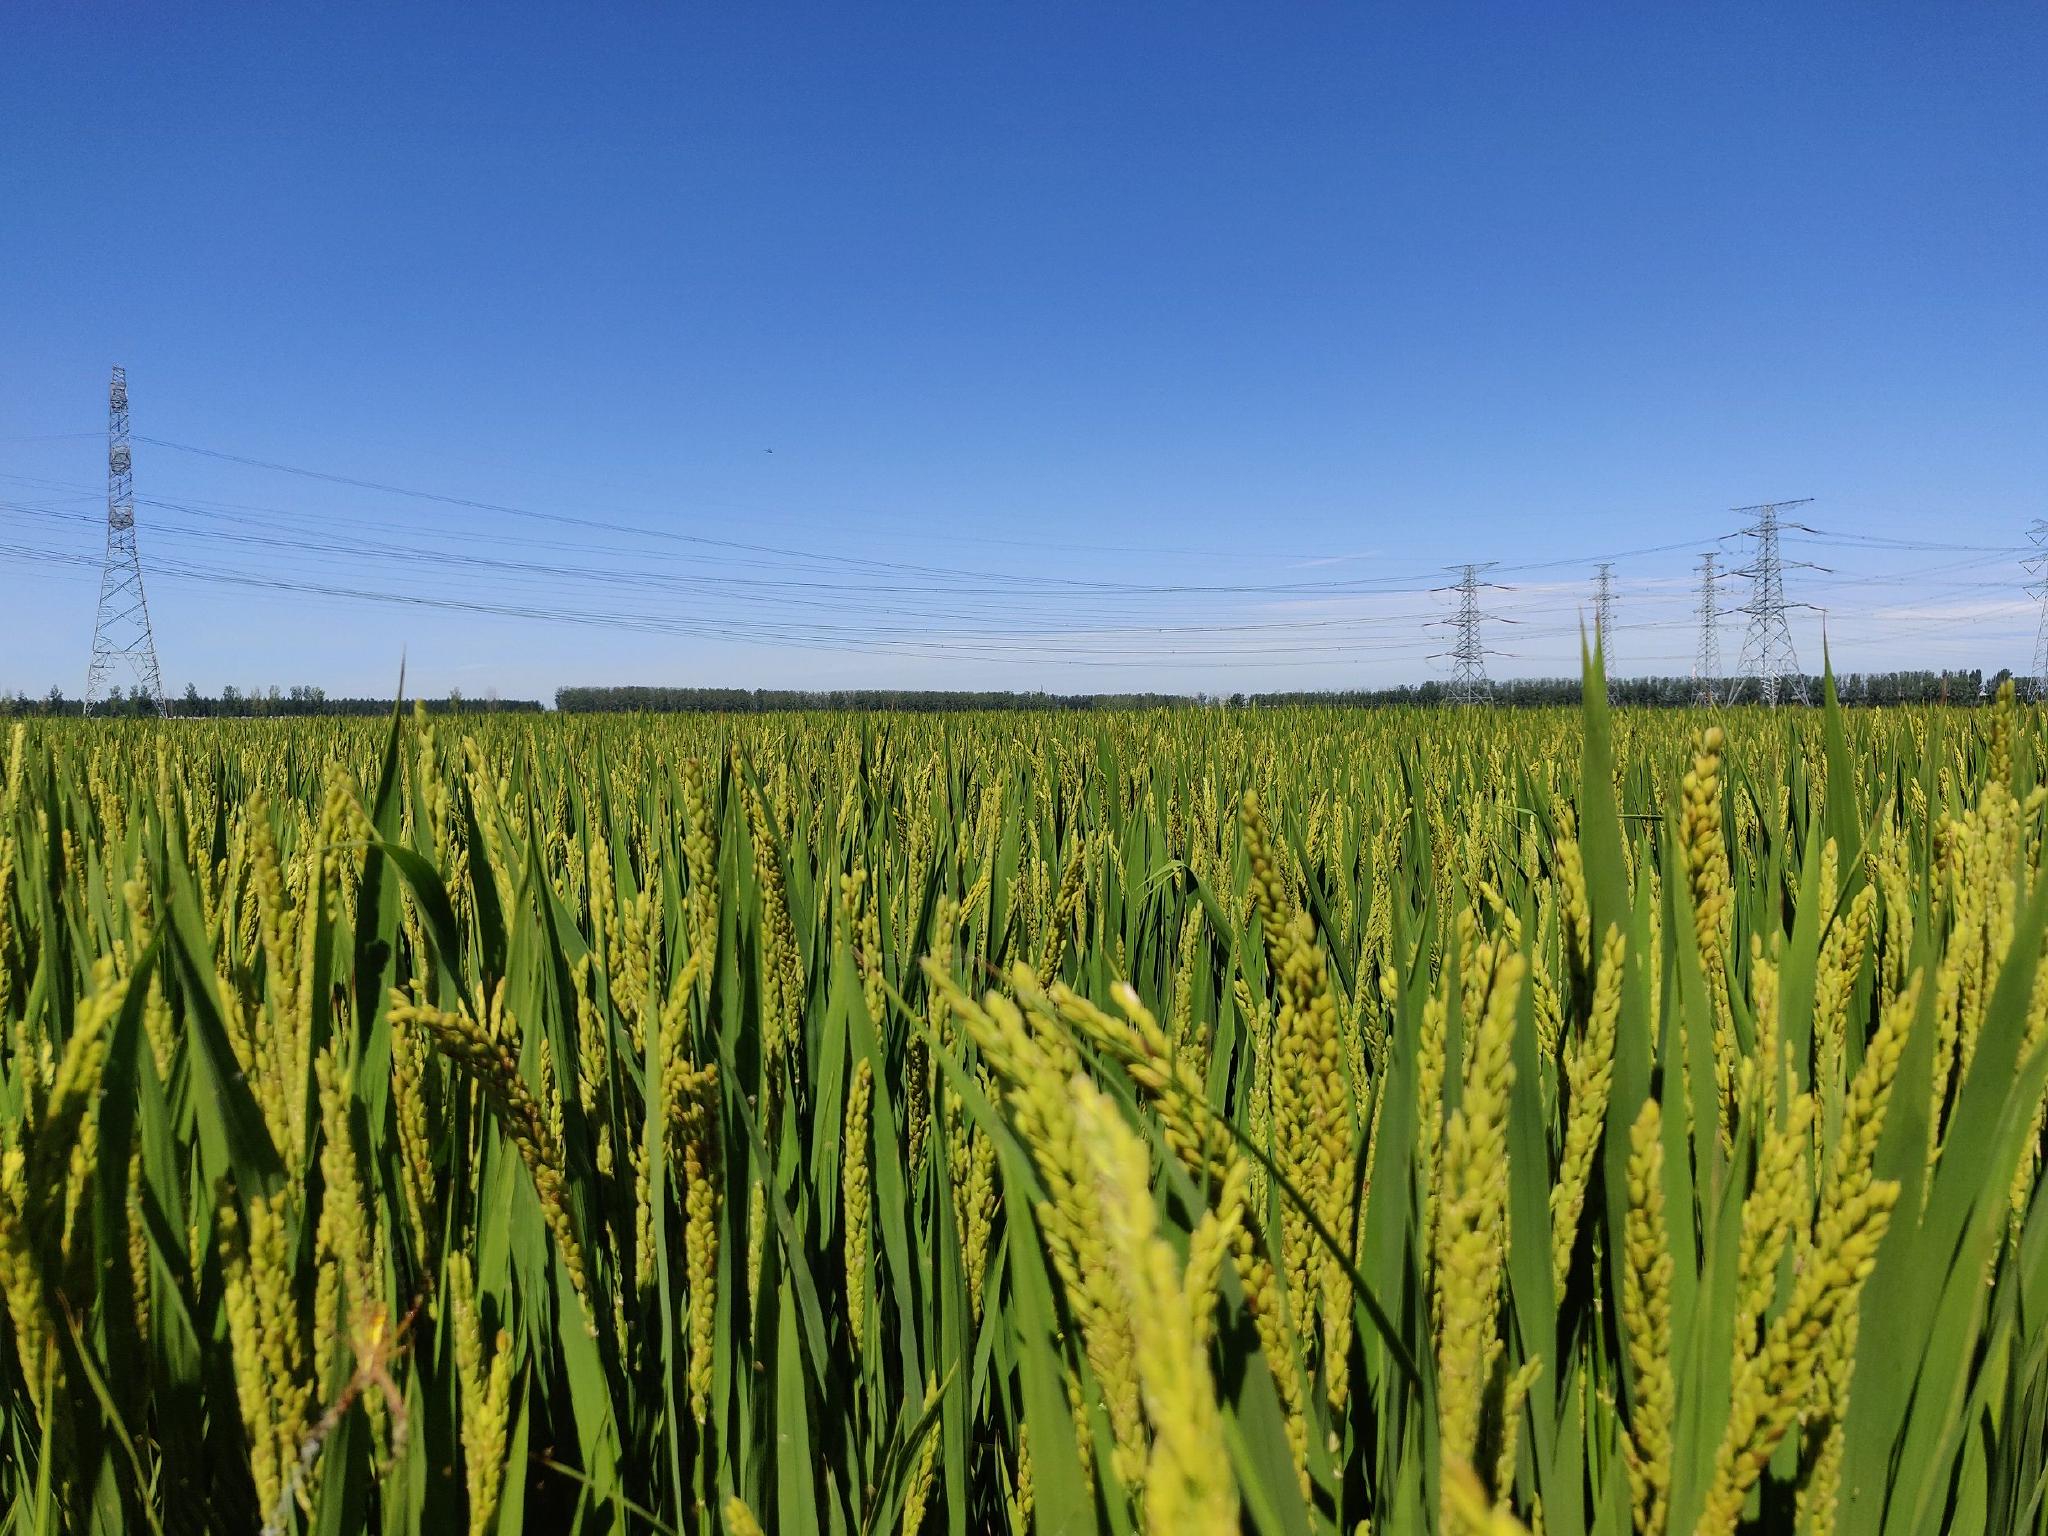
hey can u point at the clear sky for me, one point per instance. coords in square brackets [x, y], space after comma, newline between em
[1012, 345]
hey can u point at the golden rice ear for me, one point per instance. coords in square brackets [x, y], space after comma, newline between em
[1589, 1075]
[1646, 1323]
[1471, 1232]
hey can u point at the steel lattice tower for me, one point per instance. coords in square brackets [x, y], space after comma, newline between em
[1469, 682]
[122, 645]
[1603, 619]
[2038, 564]
[1768, 659]
[1706, 662]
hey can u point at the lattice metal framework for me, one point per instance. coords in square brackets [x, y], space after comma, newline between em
[1603, 619]
[1768, 659]
[1706, 661]
[2038, 565]
[1467, 655]
[123, 649]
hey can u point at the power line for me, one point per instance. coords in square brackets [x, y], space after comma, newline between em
[121, 638]
[993, 648]
[1882, 541]
[1124, 637]
[860, 602]
[777, 551]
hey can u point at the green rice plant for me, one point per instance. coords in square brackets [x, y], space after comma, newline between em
[1295, 1120]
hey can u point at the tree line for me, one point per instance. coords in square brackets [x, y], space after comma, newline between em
[1854, 688]
[232, 703]
[1963, 687]
[759, 701]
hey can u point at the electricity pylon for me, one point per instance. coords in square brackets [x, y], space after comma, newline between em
[1469, 683]
[1706, 661]
[121, 639]
[2038, 564]
[1768, 659]
[1603, 619]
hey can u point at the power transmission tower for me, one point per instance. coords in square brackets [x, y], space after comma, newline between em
[1469, 683]
[2038, 564]
[1706, 662]
[121, 641]
[1603, 619]
[1768, 659]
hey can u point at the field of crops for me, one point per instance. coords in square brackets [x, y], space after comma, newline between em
[1182, 1122]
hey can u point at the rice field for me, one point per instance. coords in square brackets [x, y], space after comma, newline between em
[1186, 1121]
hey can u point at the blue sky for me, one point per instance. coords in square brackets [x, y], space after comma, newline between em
[1075, 347]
